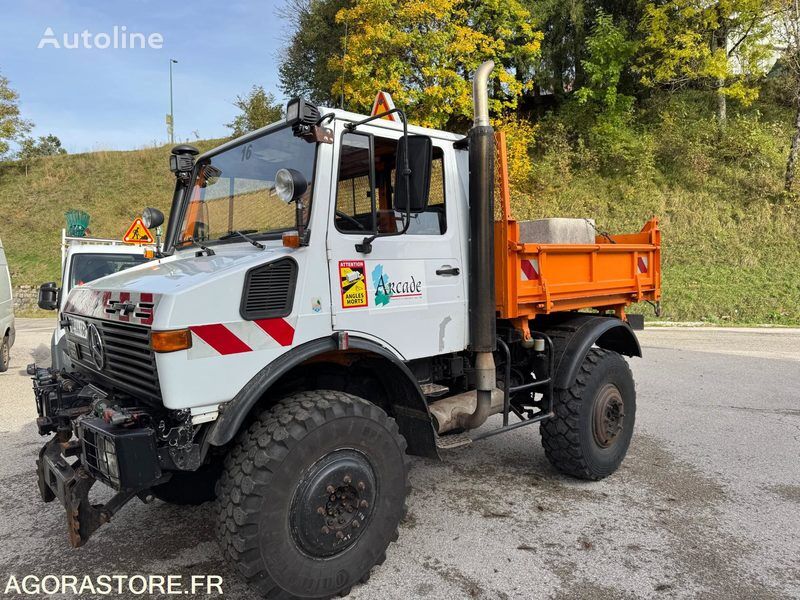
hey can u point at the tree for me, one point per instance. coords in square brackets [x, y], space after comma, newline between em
[259, 108]
[45, 145]
[423, 53]
[721, 44]
[789, 37]
[609, 55]
[316, 37]
[12, 125]
[566, 25]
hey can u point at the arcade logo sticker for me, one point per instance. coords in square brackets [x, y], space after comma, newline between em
[353, 283]
[405, 285]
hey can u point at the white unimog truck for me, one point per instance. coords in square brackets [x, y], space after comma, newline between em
[328, 299]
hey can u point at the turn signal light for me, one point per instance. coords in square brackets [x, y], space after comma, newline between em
[149, 254]
[171, 341]
[291, 239]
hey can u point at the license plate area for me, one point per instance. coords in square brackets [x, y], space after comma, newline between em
[78, 328]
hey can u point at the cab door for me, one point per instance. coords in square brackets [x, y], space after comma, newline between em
[410, 291]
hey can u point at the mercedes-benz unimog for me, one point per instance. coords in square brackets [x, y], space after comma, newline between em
[336, 291]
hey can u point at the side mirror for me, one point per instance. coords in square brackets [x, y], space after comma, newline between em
[152, 217]
[48, 296]
[420, 154]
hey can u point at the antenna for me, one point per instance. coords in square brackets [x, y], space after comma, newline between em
[344, 58]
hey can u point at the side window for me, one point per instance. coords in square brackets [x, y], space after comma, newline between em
[434, 220]
[353, 198]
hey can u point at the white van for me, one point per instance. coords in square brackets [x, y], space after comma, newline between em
[6, 312]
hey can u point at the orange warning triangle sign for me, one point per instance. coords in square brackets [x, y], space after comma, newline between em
[138, 234]
[383, 103]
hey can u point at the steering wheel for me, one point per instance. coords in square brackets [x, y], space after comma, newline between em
[347, 217]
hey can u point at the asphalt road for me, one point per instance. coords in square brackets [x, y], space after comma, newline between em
[706, 505]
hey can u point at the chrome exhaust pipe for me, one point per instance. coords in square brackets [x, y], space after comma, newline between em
[480, 94]
[482, 306]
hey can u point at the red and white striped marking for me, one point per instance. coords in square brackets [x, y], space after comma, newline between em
[642, 265]
[237, 337]
[530, 269]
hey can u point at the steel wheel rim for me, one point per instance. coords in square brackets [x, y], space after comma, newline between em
[609, 415]
[333, 504]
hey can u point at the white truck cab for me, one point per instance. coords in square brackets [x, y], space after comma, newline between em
[324, 302]
[82, 261]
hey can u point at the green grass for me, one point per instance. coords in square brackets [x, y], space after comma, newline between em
[731, 252]
[113, 187]
[731, 237]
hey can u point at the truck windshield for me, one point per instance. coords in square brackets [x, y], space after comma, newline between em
[234, 189]
[88, 267]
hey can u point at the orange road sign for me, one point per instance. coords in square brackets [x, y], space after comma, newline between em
[138, 234]
[383, 103]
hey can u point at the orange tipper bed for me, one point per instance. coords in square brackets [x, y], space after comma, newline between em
[534, 279]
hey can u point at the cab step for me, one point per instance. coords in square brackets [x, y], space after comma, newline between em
[455, 440]
[434, 390]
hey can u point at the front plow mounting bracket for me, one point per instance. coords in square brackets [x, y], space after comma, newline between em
[70, 483]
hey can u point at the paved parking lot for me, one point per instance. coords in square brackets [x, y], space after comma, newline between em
[706, 505]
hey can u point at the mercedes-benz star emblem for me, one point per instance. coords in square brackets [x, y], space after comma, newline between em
[96, 347]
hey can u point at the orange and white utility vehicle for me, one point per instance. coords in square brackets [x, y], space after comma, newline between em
[334, 292]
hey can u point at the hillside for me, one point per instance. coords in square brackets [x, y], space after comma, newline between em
[731, 249]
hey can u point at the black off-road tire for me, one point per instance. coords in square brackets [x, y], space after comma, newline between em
[5, 354]
[274, 495]
[577, 440]
[190, 488]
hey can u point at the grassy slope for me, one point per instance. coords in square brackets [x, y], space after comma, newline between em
[731, 244]
[731, 237]
[113, 187]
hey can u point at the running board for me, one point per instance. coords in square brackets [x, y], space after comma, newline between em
[455, 440]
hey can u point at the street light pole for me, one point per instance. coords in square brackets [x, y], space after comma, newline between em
[171, 112]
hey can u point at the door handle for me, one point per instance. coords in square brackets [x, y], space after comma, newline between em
[446, 270]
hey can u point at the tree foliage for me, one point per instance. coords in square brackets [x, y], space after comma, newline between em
[566, 25]
[609, 55]
[723, 44]
[424, 51]
[316, 37]
[12, 125]
[45, 145]
[259, 108]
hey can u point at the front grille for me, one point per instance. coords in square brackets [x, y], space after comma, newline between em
[269, 290]
[130, 363]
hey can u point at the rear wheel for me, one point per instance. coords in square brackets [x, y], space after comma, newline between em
[5, 354]
[591, 430]
[312, 494]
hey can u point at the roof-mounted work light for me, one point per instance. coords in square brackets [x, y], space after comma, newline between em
[181, 160]
[301, 115]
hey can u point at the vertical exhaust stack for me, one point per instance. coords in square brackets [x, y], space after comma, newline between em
[482, 324]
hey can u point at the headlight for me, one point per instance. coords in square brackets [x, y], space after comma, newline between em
[290, 184]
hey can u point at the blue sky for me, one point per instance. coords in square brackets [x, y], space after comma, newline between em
[117, 98]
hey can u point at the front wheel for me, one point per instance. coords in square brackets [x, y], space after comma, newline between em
[591, 430]
[312, 494]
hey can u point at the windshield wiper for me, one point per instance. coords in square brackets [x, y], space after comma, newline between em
[199, 244]
[243, 234]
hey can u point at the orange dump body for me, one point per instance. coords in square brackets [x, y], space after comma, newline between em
[533, 279]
